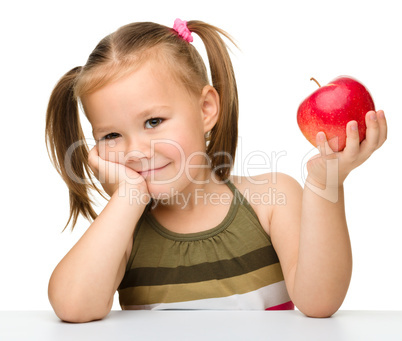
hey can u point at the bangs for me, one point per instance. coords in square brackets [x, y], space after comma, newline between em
[91, 80]
[88, 82]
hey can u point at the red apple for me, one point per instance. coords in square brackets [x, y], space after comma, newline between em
[331, 107]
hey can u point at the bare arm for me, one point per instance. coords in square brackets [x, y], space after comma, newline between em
[83, 284]
[324, 267]
[310, 232]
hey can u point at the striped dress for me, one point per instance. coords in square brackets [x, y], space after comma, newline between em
[231, 266]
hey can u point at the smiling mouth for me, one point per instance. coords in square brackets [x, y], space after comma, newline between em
[152, 170]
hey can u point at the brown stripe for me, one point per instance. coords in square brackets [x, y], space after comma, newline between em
[148, 276]
[202, 290]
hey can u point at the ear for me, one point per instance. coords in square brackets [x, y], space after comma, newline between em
[209, 107]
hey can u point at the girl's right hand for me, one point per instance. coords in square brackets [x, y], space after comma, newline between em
[113, 175]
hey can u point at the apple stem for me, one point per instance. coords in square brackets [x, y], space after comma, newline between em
[313, 79]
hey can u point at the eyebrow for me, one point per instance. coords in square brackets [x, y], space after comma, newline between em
[141, 115]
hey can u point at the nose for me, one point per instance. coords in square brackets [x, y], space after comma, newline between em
[138, 150]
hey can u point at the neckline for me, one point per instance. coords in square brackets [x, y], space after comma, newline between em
[202, 234]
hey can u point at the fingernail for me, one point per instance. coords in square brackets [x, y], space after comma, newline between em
[373, 116]
[381, 114]
[353, 126]
[322, 137]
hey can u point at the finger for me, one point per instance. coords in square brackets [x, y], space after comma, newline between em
[100, 167]
[93, 162]
[352, 140]
[370, 144]
[321, 139]
[324, 146]
[382, 122]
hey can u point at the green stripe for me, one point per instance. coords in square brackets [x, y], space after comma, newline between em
[151, 248]
[237, 285]
[148, 276]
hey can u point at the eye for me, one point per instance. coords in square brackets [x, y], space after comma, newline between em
[153, 122]
[110, 136]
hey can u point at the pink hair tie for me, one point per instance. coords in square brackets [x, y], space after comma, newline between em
[180, 26]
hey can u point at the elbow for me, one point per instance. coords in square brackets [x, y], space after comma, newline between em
[75, 310]
[320, 303]
[77, 315]
[319, 313]
[74, 313]
[319, 310]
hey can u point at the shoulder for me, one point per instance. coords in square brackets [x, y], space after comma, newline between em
[290, 208]
[266, 192]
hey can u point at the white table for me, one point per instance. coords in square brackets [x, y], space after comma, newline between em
[205, 325]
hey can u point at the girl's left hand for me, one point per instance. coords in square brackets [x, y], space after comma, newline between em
[352, 156]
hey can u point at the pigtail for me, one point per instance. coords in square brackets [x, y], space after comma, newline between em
[68, 149]
[223, 137]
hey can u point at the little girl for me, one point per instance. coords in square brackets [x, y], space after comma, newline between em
[180, 232]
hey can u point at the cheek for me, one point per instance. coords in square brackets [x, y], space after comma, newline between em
[182, 146]
[171, 149]
[109, 151]
[189, 155]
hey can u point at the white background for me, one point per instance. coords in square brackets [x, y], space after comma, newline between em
[283, 44]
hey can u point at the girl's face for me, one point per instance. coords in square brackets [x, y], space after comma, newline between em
[151, 124]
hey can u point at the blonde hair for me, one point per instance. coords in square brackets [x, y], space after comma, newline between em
[117, 55]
